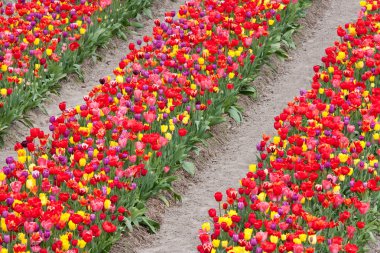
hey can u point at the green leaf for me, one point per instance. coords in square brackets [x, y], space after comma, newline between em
[148, 13]
[132, 32]
[43, 109]
[214, 120]
[197, 122]
[189, 167]
[177, 196]
[135, 212]
[164, 199]
[196, 150]
[26, 121]
[151, 224]
[236, 114]
[3, 127]
[248, 91]
[136, 24]
[281, 54]
[208, 135]
[79, 72]
[128, 223]
[139, 17]
[122, 35]
[372, 236]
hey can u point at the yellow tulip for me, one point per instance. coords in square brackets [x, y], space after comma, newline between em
[81, 244]
[252, 168]
[82, 162]
[303, 237]
[72, 225]
[215, 243]
[297, 241]
[273, 239]
[107, 204]
[3, 225]
[164, 128]
[206, 226]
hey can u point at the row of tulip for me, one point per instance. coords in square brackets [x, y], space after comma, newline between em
[316, 184]
[42, 41]
[78, 188]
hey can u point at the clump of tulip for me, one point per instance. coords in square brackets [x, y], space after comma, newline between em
[316, 183]
[76, 188]
[41, 42]
[33, 34]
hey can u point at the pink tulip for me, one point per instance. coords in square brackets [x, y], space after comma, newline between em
[350, 128]
[47, 224]
[122, 142]
[16, 186]
[298, 248]
[162, 141]
[334, 248]
[139, 145]
[350, 231]
[326, 184]
[261, 236]
[247, 41]
[96, 205]
[151, 100]
[132, 158]
[364, 207]
[263, 206]
[42, 162]
[149, 116]
[30, 227]
[283, 225]
[137, 93]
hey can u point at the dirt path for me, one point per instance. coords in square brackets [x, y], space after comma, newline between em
[73, 90]
[234, 147]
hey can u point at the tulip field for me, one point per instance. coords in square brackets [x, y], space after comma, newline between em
[79, 187]
[315, 186]
[41, 42]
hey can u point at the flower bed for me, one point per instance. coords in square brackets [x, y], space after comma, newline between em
[315, 187]
[79, 187]
[42, 41]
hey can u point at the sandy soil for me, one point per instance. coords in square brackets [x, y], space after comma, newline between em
[226, 159]
[73, 90]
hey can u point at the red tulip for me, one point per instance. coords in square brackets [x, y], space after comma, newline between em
[212, 212]
[360, 224]
[218, 196]
[74, 46]
[341, 32]
[268, 246]
[87, 236]
[109, 227]
[182, 132]
[351, 248]
[76, 218]
[62, 106]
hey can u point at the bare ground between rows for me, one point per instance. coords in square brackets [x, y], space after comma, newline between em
[73, 89]
[225, 159]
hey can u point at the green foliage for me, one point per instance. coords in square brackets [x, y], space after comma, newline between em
[189, 167]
